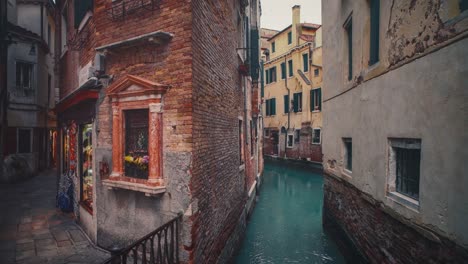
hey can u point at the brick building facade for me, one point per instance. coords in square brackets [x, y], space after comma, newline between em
[159, 115]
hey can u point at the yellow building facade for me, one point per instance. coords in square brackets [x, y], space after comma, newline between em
[292, 90]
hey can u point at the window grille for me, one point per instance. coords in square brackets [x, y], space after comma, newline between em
[24, 79]
[407, 171]
[136, 143]
[316, 136]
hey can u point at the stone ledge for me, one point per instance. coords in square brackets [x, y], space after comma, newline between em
[138, 187]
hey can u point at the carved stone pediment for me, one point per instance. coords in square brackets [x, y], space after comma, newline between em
[136, 87]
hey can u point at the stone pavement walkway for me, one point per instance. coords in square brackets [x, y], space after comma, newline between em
[33, 230]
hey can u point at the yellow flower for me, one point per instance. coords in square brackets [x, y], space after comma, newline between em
[129, 159]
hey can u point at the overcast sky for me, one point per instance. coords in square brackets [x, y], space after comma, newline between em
[277, 14]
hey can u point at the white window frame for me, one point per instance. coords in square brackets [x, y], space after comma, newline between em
[346, 170]
[392, 193]
[320, 136]
[30, 140]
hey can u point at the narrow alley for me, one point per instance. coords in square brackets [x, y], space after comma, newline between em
[33, 230]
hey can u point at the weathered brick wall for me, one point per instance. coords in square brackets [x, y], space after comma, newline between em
[378, 234]
[217, 182]
[171, 64]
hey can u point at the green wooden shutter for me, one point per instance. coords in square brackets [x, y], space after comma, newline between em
[273, 107]
[267, 76]
[262, 79]
[312, 103]
[289, 37]
[267, 105]
[290, 66]
[296, 103]
[374, 31]
[319, 98]
[305, 58]
[286, 103]
[273, 47]
[283, 70]
[254, 53]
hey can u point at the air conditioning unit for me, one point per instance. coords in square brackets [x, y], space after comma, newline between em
[99, 64]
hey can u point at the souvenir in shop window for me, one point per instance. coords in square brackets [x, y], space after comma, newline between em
[87, 166]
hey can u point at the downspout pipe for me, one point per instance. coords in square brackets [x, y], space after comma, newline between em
[42, 20]
[289, 109]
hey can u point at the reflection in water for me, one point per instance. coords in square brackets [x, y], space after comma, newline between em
[286, 224]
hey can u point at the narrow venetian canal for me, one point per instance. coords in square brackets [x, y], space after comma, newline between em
[286, 224]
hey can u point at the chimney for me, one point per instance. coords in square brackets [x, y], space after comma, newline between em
[296, 24]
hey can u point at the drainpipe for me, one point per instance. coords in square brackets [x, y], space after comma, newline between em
[42, 21]
[289, 110]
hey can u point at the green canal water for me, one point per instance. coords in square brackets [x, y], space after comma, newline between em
[286, 224]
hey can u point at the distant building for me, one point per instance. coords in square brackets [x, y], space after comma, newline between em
[395, 104]
[159, 114]
[30, 145]
[292, 90]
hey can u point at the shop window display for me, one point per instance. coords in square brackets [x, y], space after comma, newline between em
[87, 166]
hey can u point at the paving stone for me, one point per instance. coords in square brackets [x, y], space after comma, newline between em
[60, 235]
[64, 243]
[24, 227]
[77, 235]
[45, 244]
[25, 246]
[24, 240]
[21, 255]
[47, 253]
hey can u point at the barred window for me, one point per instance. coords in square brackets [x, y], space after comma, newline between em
[316, 136]
[136, 143]
[405, 158]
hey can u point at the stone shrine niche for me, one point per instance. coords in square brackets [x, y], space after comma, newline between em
[137, 135]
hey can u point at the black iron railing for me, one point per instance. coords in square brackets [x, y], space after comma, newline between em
[160, 246]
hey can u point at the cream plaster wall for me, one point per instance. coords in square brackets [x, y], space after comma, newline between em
[417, 90]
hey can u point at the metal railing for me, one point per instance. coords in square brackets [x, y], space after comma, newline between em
[160, 246]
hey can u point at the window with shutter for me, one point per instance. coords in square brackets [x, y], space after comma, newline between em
[283, 70]
[312, 101]
[374, 31]
[290, 66]
[273, 74]
[289, 37]
[305, 59]
[349, 35]
[267, 75]
[267, 105]
[273, 106]
[286, 104]
[319, 99]
[297, 103]
[273, 47]
[254, 53]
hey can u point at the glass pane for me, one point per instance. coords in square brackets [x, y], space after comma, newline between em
[136, 143]
[87, 165]
[24, 141]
